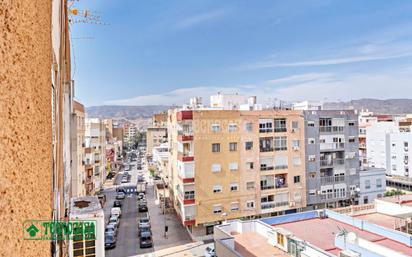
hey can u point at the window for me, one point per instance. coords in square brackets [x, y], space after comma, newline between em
[351, 140]
[311, 141]
[405, 144]
[250, 185]
[215, 127]
[367, 184]
[216, 168]
[280, 125]
[232, 127]
[217, 189]
[233, 187]
[296, 161]
[233, 166]
[295, 124]
[250, 204]
[351, 123]
[311, 123]
[209, 230]
[249, 145]
[233, 146]
[234, 206]
[296, 179]
[378, 183]
[249, 127]
[312, 158]
[216, 148]
[281, 144]
[249, 165]
[295, 144]
[217, 209]
[393, 167]
[281, 162]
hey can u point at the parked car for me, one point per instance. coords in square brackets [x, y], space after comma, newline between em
[115, 220]
[120, 195]
[117, 203]
[210, 252]
[142, 207]
[109, 240]
[146, 240]
[116, 211]
[144, 228]
[144, 221]
[111, 228]
[141, 196]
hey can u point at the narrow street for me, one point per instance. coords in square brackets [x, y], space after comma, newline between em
[127, 238]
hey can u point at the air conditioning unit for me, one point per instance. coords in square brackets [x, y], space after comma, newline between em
[348, 253]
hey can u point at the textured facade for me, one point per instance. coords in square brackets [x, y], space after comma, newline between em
[78, 150]
[332, 158]
[227, 164]
[26, 124]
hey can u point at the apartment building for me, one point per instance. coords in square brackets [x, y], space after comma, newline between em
[372, 184]
[129, 133]
[227, 164]
[332, 158]
[78, 150]
[95, 139]
[155, 136]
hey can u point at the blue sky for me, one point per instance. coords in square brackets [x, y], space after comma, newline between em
[163, 52]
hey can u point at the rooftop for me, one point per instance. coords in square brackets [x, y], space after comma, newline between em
[254, 244]
[85, 205]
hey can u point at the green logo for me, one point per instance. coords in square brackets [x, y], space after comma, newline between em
[59, 230]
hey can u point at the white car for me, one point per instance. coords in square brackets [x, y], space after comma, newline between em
[116, 211]
[210, 252]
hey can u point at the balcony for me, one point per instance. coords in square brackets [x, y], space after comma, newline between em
[280, 130]
[266, 168]
[189, 221]
[333, 162]
[332, 179]
[281, 167]
[272, 205]
[189, 199]
[185, 157]
[267, 187]
[265, 130]
[331, 129]
[184, 115]
[184, 137]
[266, 149]
[332, 146]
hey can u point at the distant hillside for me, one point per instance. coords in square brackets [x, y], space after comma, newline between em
[125, 112]
[389, 106]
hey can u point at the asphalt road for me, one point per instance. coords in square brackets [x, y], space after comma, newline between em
[127, 238]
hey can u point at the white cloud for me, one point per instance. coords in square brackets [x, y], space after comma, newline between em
[309, 86]
[199, 18]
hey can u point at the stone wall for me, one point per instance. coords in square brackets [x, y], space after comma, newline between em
[25, 123]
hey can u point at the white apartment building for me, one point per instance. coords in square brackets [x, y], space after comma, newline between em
[307, 106]
[372, 183]
[377, 142]
[398, 153]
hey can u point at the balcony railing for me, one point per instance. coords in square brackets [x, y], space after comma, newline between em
[332, 179]
[332, 146]
[281, 129]
[266, 149]
[332, 196]
[334, 162]
[265, 130]
[281, 167]
[265, 168]
[270, 205]
[267, 187]
[331, 129]
[281, 148]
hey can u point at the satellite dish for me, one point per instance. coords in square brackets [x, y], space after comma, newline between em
[351, 237]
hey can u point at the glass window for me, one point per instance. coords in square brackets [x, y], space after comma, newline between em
[367, 184]
[234, 206]
[233, 146]
[296, 179]
[232, 127]
[233, 187]
[216, 147]
[250, 204]
[249, 127]
[295, 124]
[280, 125]
[378, 183]
[217, 189]
[249, 145]
[250, 185]
[215, 127]
[216, 168]
[249, 165]
[233, 166]
[217, 209]
[281, 144]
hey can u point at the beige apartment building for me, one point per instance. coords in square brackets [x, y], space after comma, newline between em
[78, 150]
[156, 134]
[227, 164]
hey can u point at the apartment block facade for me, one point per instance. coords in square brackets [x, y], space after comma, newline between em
[227, 164]
[95, 139]
[332, 158]
[78, 150]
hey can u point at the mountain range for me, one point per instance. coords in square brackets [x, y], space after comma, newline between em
[389, 106]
